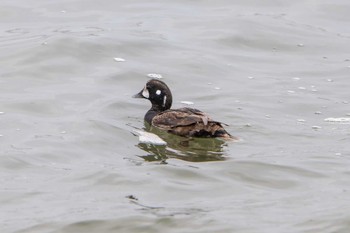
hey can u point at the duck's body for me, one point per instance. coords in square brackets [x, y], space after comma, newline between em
[188, 122]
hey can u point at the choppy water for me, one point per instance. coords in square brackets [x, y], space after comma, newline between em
[273, 70]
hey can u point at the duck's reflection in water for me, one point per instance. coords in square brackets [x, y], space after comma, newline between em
[189, 149]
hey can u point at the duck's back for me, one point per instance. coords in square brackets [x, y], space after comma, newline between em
[189, 122]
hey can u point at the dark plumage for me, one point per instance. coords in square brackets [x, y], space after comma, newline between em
[188, 122]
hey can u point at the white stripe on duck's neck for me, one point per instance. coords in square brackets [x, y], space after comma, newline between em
[164, 101]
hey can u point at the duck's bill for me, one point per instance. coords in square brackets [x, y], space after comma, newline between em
[142, 94]
[138, 95]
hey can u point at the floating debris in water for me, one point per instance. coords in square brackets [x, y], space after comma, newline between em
[149, 138]
[132, 197]
[301, 45]
[119, 59]
[316, 127]
[318, 113]
[187, 102]
[158, 76]
[329, 80]
[217, 88]
[302, 88]
[348, 114]
[345, 102]
[338, 119]
[313, 88]
[2, 113]
[250, 77]
[63, 132]
[291, 92]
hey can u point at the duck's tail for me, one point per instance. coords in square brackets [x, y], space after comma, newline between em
[222, 133]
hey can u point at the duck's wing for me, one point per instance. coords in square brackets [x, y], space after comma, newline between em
[180, 117]
[189, 122]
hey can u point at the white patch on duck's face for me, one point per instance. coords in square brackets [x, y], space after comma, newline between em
[158, 92]
[145, 92]
[164, 101]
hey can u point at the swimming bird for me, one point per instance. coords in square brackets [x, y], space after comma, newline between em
[187, 122]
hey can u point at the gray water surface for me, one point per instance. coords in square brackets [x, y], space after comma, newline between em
[273, 70]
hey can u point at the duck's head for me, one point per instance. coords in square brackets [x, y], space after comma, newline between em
[158, 93]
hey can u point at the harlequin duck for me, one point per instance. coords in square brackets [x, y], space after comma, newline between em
[187, 122]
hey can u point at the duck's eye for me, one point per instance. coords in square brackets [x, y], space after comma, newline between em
[158, 92]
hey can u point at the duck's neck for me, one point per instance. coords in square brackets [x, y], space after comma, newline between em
[150, 114]
[155, 109]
